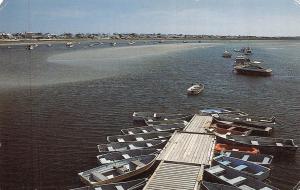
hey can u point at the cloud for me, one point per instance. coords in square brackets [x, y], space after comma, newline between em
[297, 2]
[3, 4]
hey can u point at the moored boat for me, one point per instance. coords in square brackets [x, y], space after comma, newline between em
[230, 176]
[255, 131]
[117, 171]
[139, 137]
[224, 147]
[226, 54]
[127, 185]
[258, 122]
[167, 122]
[123, 146]
[30, 47]
[154, 128]
[264, 144]
[252, 69]
[235, 130]
[247, 51]
[195, 89]
[216, 186]
[261, 159]
[253, 170]
[116, 156]
[154, 116]
[69, 44]
[222, 111]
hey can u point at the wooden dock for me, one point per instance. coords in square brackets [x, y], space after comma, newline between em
[184, 158]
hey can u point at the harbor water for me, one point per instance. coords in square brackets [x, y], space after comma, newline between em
[58, 103]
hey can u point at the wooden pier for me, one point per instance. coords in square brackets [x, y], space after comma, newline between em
[184, 158]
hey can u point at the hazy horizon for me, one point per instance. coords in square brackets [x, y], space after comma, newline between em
[199, 17]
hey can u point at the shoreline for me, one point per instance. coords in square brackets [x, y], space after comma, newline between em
[60, 41]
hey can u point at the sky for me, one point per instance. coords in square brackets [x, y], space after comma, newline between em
[213, 17]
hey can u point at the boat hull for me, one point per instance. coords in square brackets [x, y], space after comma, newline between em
[252, 73]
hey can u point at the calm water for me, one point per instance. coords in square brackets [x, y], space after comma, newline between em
[49, 132]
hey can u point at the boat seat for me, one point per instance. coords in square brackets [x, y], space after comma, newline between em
[161, 137]
[139, 138]
[110, 176]
[149, 144]
[245, 157]
[104, 161]
[225, 162]
[279, 144]
[236, 181]
[254, 142]
[227, 154]
[265, 188]
[126, 156]
[223, 178]
[235, 149]
[268, 129]
[216, 170]
[259, 173]
[122, 169]
[119, 187]
[130, 133]
[266, 160]
[245, 187]
[132, 147]
[110, 148]
[145, 131]
[138, 163]
[240, 167]
[121, 140]
[158, 129]
[98, 176]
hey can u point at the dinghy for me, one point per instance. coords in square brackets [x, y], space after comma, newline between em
[116, 156]
[253, 170]
[166, 122]
[117, 171]
[139, 137]
[123, 146]
[264, 144]
[127, 185]
[225, 129]
[195, 89]
[216, 186]
[261, 159]
[230, 176]
[255, 131]
[154, 128]
[224, 147]
[222, 110]
[153, 116]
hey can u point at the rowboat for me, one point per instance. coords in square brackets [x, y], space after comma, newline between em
[127, 185]
[230, 176]
[264, 144]
[139, 137]
[216, 186]
[255, 131]
[222, 110]
[154, 128]
[123, 146]
[253, 170]
[261, 159]
[225, 129]
[116, 156]
[153, 116]
[258, 122]
[195, 89]
[117, 171]
[224, 147]
[167, 122]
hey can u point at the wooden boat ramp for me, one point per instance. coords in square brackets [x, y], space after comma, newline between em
[184, 158]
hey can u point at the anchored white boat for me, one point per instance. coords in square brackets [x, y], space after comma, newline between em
[195, 89]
